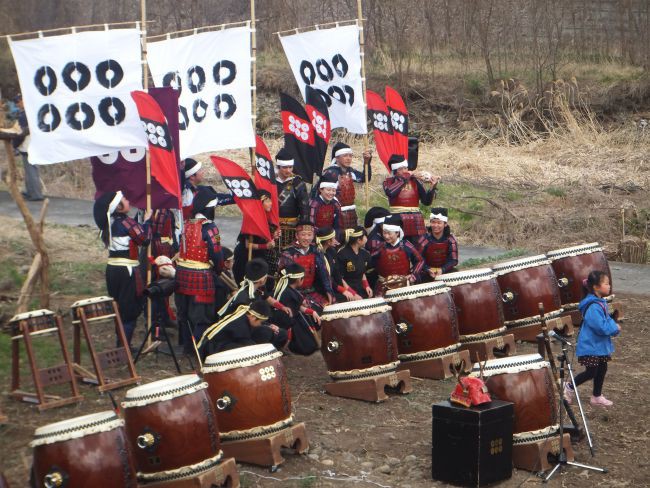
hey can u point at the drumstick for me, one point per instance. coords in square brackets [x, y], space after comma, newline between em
[116, 407]
[547, 344]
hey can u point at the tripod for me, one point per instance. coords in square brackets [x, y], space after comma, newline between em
[562, 459]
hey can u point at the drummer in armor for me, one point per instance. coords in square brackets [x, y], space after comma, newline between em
[305, 253]
[200, 260]
[439, 247]
[293, 197]
[373, 223]
[193, 177]
[325, 209]
[327, 244]
[353, 260]
[405, 192]
[397, 262]
[342, 172]
[122, 236]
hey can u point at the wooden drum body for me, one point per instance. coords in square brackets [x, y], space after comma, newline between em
[524, 284]
[249, 388]
[85, 452]
[172, 428]
[572, 265]
[525, 381]
[97, 308]
[478, 301]
[358, 339]
[426, 323]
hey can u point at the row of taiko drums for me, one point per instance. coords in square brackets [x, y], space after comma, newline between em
[432, 320]
[170, 429]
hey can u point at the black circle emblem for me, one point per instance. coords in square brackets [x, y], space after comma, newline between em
[82, 74]
[43, 88]
[109, 66]
[74, 110]
[54, 116]
[114, 117]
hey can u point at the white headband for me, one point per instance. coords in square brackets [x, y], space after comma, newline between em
[341, 152]
[327, 184]
[114, 203]
[379, 220]
[438, 217]
[193, 170]
[401, 164]
[211, 203]
[284, 162]
[392, 228]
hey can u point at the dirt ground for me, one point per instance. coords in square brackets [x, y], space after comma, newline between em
[354, 443]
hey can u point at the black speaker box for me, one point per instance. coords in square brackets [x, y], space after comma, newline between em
[472, 446]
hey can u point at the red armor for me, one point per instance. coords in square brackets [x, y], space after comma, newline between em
[193, 247]
[324, 215]
[307, 261]
[407, 197]
[346, 192]
[393, 261]
[435, 254]
[133, 250]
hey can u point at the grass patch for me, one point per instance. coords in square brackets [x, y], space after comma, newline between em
[476, 262]
[78, 278]
[556, 191]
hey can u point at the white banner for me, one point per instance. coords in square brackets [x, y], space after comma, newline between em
[329, 60]
[76, 90]
[213, 72]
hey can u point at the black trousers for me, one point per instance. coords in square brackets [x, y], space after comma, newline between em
[596, 373]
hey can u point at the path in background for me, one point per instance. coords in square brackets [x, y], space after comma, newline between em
[627, 277]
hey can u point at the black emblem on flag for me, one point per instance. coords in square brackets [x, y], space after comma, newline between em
[157, 133]
[399, 122]
[264, 168]
[380, 121]
[240, 187]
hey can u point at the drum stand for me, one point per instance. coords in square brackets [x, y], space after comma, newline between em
[563, 460]
[224, 474]
[439, 368]
[157, 322]
[372, 389]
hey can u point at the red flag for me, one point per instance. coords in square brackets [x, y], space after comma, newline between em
[318, 114]
[161, 149]
[382, 128]
[299, 137]
[243, 189]
[399, 118]
[265, 177]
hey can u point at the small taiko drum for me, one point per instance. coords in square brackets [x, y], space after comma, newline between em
[525, 283]
[249, 387]
[172, 428]
[525, 381]
[96, 308]
[84, 452]
[426, 323]
[572, 265]
[479, 304]
[36, 322]
[358, 339]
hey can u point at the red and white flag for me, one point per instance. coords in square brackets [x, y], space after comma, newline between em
[265, 177]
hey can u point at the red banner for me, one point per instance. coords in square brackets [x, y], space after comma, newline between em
[382, 128]
[299, 137]
[318, 114]
[161, 149]
[246, 197]
[265, 177]
[399, 118]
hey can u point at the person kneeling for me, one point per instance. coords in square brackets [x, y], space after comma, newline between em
[243, 327]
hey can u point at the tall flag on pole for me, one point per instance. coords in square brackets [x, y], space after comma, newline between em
[299, 136]
[316, 108]
[265, 177]
[125, 170]
[161, 147]
[399, 119]
[329, 60]
[382, 127]
[212, 72]
[76, 92]
[245, 194]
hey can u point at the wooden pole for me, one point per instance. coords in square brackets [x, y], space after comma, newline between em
[363, 90]
[145, 86]
[251, 150]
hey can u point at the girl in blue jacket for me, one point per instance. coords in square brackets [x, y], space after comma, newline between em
[595, 346]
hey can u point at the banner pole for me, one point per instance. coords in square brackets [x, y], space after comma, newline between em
[251, 150]
[145, 85]
[363, 91]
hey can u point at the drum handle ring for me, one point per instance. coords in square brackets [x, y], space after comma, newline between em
[562, 282]
[53, 480]
[223, 402]
[401, 328]
[146, 440]
[508, 297]
[333, 346]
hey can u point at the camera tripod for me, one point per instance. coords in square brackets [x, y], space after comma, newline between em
[562, 461]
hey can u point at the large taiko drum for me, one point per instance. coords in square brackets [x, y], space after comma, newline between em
[358, 339]
[84, 452]
[249, 388]
[525, 283]
[425, 318]
[172, 428]
[572, 265]
[527, 382]
[478, 301]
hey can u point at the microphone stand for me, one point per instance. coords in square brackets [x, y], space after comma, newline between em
[562, 461]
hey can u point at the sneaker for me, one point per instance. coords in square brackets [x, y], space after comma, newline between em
[601, 401]
[569, 394]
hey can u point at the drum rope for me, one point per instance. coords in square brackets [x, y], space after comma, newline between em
[182, 472]
[220, 366]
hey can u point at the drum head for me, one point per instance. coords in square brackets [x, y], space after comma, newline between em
[574, 251]
[30, 315]
[90, 301]
[519, 264]
[76, 427]
[240, 357]
[357, 308]
[469, 276]
[162, 390]
[415, 291]
[512, 364]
